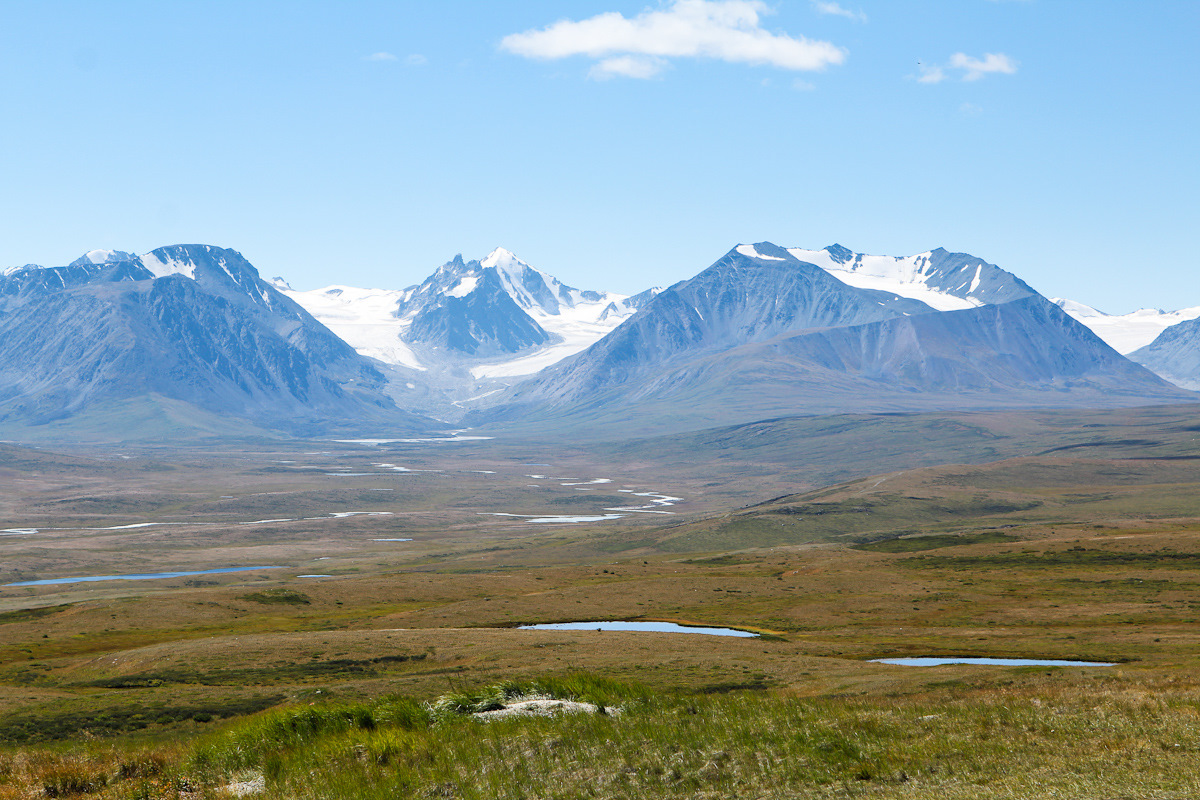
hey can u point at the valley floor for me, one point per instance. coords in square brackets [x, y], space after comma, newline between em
[379, 578]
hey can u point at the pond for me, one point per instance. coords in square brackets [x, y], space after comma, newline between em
[653, 627]
[937, 661]
[141, 576]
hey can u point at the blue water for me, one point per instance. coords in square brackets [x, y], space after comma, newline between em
[142, 576]
[937, 661]
[656, 627]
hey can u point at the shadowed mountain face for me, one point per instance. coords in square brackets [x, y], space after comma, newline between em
[487, 308]
[739, 300]
[484, 321]
[190, 323]
[761, 334]
[1175, 354]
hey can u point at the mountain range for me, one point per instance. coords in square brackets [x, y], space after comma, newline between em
[193, 330]
[187, 324]
[762, 332]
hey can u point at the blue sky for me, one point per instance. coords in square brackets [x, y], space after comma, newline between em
[614, 144]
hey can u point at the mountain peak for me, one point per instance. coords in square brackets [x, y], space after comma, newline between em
[763, 251]
[102, 257]
[839, 253]
[503, 260]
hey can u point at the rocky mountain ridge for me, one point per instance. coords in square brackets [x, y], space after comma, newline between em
[187, 323]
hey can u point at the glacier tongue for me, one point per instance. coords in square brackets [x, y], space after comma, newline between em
[363, 318]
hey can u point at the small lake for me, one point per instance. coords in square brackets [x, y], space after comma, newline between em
[140, 576]
[652, 627]
[938, 661]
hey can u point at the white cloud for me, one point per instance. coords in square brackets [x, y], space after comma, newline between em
[638, 47]
[803, 86]
[931, 74]
[627, 67]
[976, 68]
[380, 57]
[416, 60]
[972, 68]
[827, 7]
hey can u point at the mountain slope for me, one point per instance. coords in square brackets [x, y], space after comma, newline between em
[753, 293]
[190, 323]
[760, 335]
[482, 320]
[1174, 354]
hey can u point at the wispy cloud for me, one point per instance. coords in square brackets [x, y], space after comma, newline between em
[976, 68]
[641, 46]
[380, 57]
[416, 60]
[836, 9]
[627, 67]
[930, 74]
[971, 69]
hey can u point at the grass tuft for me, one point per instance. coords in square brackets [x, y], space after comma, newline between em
[278, 596]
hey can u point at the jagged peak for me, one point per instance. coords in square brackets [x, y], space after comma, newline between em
[458, 266]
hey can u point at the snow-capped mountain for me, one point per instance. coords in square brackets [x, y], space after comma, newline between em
[763, 332]
[498, 317]
[1127, 332]
[102, 257]
[187, 323]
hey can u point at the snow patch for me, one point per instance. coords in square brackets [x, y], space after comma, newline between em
[161, 269]
[464, 287]
[748, 250]
[902, 275]
[98, 256]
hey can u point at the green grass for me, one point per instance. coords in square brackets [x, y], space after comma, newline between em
[30, 614]
[911, 544]
[279, 596]
[49, 725]
[1043, 738]
[1074, 557]
[332, 669]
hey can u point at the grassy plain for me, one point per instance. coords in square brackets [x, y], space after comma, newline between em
[1048, 535]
